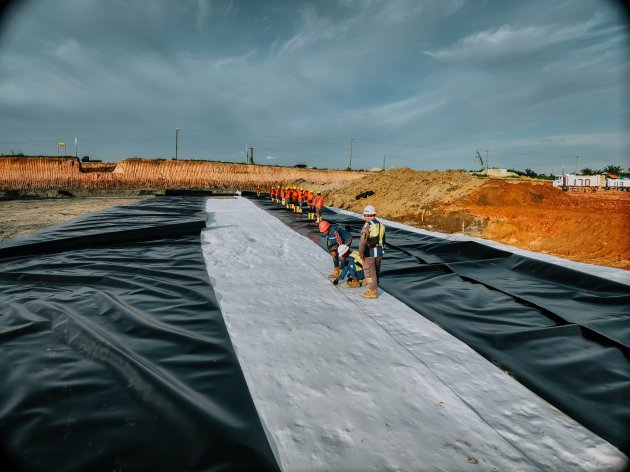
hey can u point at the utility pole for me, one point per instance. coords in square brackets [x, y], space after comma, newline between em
[487, 151]
[76, 147]
[383, 162]
[350, 164]
[176, 141]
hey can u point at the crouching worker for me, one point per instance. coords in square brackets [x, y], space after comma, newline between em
[352, 266]
[335, 236]
[371, 249]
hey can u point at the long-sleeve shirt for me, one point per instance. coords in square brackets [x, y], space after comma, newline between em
[338, 236]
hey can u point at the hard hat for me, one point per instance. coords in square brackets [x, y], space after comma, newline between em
[342, 249]
[324, 226]
[369, 210]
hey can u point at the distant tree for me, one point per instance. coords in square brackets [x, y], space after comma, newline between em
[531, 174]
[613, 169]
[589, 171]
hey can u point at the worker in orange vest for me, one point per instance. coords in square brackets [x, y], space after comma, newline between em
[319, 204]
[300, 199]
[310, 203]
[294, 199]
[287, 198]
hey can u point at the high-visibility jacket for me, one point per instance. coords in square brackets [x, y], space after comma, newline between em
[310, 198]
[376, 238]
[357, 259]
[319, 202]
[353, 267]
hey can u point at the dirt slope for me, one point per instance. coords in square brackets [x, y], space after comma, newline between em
[586, 227]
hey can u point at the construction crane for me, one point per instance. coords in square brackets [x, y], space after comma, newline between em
[480, 159]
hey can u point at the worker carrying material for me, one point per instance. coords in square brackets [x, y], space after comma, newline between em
[335, 236]
[371, 249]
[352, 267]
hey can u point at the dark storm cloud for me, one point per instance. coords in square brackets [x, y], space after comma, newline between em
[426, 82]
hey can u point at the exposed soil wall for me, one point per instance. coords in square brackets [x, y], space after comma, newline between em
[68, 172]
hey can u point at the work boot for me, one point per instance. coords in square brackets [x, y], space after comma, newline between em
[353, 283]
[335, 273]
[371, 293]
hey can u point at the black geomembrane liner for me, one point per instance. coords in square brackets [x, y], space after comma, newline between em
[115, 355]
[562, 333]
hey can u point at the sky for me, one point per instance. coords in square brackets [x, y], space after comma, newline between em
[403, 83]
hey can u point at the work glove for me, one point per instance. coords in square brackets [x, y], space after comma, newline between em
[335, 282]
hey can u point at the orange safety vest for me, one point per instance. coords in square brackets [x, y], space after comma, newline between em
[309, 198]
[319, 202]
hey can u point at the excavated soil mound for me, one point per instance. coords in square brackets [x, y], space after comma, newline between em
[589, 227]
[404, 194]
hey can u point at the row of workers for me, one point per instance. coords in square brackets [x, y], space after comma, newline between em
[297, 199]
[361, 266]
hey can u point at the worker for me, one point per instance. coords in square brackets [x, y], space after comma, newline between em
[319, 204]
[371, 249]
[300, 199]
[258, 191]
[310, 203]
[335, 236]
[352, 267]
[287, 197]
[294, 199]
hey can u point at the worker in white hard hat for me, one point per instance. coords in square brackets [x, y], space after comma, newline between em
[352, 266]
[371, 249]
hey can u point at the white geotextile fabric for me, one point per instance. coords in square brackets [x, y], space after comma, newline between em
[345, 383]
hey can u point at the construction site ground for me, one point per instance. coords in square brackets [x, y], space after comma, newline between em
[591, 227]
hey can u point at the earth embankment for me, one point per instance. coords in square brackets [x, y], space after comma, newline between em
[70, 173]
[589, 227]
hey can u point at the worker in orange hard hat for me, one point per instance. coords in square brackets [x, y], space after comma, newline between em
[335, 236]
[371, 249]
